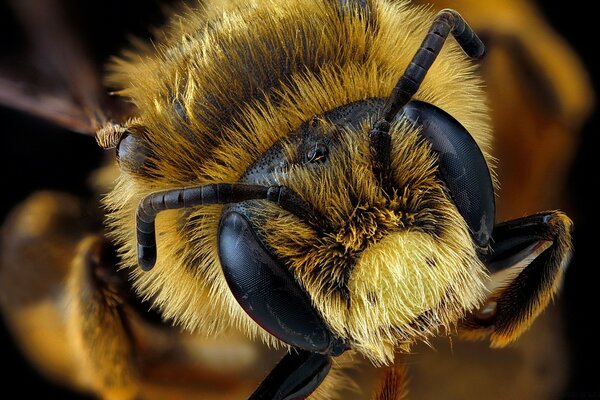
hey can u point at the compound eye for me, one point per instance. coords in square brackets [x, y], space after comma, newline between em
[266, 290]
[462, 166]
[126, 146]
[131, 152]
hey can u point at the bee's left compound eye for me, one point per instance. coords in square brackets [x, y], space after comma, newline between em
[462, 166]
[266, 290]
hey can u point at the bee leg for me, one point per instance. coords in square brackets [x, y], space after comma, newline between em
[392, 385]
[97, 325]
[296, 376]
[527, 264]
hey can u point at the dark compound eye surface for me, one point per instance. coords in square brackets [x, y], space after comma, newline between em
[266, 290]
[131, 152]
[462, 167]
[125, 145]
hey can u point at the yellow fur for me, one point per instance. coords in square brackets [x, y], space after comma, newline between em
[213, 98]
[98, 332]
[403, 272]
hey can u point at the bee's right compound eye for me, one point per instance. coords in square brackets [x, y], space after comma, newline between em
[462, 166]
[125, 146]
[131, 152]
[266, 290]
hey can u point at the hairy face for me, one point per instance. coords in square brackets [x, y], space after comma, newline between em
[381, 268]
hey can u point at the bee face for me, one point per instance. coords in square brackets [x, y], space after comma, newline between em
[381, 267]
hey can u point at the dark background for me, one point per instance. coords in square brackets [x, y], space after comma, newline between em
[36, 155]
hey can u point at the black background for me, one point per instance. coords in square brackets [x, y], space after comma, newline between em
[36, 156]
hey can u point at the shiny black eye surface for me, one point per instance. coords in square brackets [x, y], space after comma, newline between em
[462, 166]
[266, 290]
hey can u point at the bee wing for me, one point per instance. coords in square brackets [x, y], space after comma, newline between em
[59, 109]
[63, 84]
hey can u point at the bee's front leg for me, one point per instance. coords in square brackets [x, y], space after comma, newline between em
[527, 262]
[97, 322]
[296, 376]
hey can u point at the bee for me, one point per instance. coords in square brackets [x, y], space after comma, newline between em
[306, 173]
[317, 175]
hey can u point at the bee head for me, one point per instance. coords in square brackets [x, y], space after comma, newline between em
[391, 199]
[380, 260]
[400, 207]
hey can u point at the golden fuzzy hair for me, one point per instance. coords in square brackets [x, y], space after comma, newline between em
[98, 331]
[225, 82]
